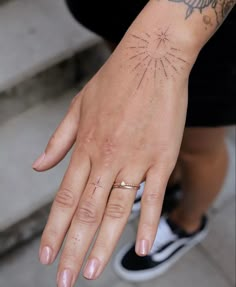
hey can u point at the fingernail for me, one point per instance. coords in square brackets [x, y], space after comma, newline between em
[142, 247]
[39, 161]
[46, 255]
[65, 278]
[91, 269]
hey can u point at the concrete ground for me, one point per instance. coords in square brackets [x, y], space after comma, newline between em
[210, 264]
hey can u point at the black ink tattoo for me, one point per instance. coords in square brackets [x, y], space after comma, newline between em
[145, 71]
[140, 38]
[158, 56]
[196, 5]
[222, 9]
[96, 184]
[76, 239]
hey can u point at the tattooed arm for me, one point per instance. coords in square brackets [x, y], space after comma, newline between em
[165, 39]
[189, 23]
[220, 8]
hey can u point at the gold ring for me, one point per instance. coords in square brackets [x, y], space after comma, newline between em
[125, 185]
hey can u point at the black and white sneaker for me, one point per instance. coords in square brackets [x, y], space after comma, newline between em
[172, 196]
[170, 244]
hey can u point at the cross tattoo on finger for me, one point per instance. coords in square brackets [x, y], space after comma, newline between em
[96, 184]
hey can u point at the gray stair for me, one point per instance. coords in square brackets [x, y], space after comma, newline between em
[34, 36]
[45, 59]
[23, 191]
[40, 44]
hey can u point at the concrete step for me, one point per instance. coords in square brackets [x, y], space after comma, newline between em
[25, 194]
[21, 268]
[25, 203]
[201, 266]
[43, 54]
[39, 47]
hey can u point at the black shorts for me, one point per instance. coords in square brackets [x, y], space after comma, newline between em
[212, 84]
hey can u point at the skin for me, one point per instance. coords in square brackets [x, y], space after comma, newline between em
[201, 169]
[121, 125]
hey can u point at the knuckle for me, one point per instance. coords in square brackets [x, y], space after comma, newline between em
[167, 163]
[87, 213]
[152, 198]
[149, 226]
[164, 167]
[167, 157]
[108, 150]
[88, 138]
[49, 236]
[109, 146]
[65, 198]
[115, 210]
[68, 256]
[101, 245]
[170, 163]
[171, 159]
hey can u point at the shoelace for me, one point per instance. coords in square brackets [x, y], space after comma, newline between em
[163, 236]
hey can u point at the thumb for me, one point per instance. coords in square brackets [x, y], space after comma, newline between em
[62, 139]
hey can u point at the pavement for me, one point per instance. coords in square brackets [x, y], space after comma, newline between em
[210, 264]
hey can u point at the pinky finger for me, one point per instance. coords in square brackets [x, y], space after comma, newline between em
[151, 206]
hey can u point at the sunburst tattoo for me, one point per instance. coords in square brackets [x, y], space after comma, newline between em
[156, 52]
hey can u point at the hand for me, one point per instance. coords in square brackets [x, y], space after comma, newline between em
[126, 125]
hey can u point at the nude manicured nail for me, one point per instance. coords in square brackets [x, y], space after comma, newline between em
[65, 278]
[46, 255]
[142, 247]
[91, 269]
[39, 161]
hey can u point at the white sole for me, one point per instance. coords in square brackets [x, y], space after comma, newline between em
[141, 276]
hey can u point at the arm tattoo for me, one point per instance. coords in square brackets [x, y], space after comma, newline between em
[196, 5]
[220, 7]
[156, 54]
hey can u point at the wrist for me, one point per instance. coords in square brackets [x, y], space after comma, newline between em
[188, 35]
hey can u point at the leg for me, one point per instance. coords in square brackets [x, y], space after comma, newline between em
[175, 176]
[203, 165]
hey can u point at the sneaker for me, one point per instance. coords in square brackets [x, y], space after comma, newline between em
[170, 244]
[171, 199]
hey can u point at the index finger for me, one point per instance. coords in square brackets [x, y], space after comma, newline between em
[64, 206]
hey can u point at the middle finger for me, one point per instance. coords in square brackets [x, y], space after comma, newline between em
[85, 223]
[115, 218]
